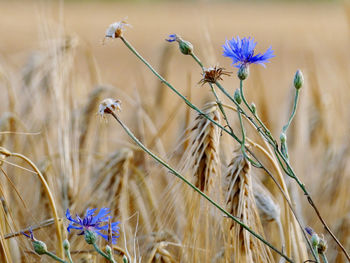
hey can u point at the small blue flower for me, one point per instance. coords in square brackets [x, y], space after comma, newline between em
[31, 235]
[241, 51]
[94, 223]
[309, 230]
[171, 38]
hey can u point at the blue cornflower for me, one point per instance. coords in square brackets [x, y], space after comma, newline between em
[93, 223]
[31, 235]
[241, 51]
[309, 230]
[172, 38]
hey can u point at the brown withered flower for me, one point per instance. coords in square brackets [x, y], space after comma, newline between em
[213, 74]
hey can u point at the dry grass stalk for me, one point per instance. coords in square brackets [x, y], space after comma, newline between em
[88, 111]
[5, 254]
[164, 66]
[158, 249]
[342, 231]
[112, 177]
[333, 190]
[240, 202]
[269, 209]
[159, 254]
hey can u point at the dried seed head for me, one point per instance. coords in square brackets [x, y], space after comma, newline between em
[107, 106]
[322, 246]
[213, 74]
[116, 29]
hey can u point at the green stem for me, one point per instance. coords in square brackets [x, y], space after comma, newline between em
[68, 255]
[133, 50]
[285, 127]
[288, 169]
[55, 257]
[324, 258]
[238, 106]
[102, 253]
[284, 145]
[268, 133]
[173, 171]
[197, 60]
[257, 165]
[316, 253]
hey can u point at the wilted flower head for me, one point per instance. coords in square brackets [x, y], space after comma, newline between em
[241, 51]
[95, 223]
[213, 74]
[115, 30]
[108, 106]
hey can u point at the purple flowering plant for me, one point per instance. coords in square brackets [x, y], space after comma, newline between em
[98, 223]
[241, 51]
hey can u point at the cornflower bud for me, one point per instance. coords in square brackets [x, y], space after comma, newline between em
[253, 107]
[66, 244]
[185, 47]
[108, 250]
[315, 240]
[298, 80]
[243, 72]
[90, 237]
[237, 96]
[39, 247]
[283, 137]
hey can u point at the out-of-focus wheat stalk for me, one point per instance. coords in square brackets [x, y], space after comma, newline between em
[239, 200]
[201, 161]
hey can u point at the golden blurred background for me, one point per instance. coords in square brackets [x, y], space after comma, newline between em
[53, 57]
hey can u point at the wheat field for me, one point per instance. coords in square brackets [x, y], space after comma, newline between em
[56, 68]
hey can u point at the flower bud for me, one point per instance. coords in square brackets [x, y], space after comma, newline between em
[66, 244]
[108, 250]
[39, 247]
[315, 240]
[243, 72]
[185, 47]
[253, 107]
[283, 137]
[298, 80]
[237, 96]
[90, 237]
